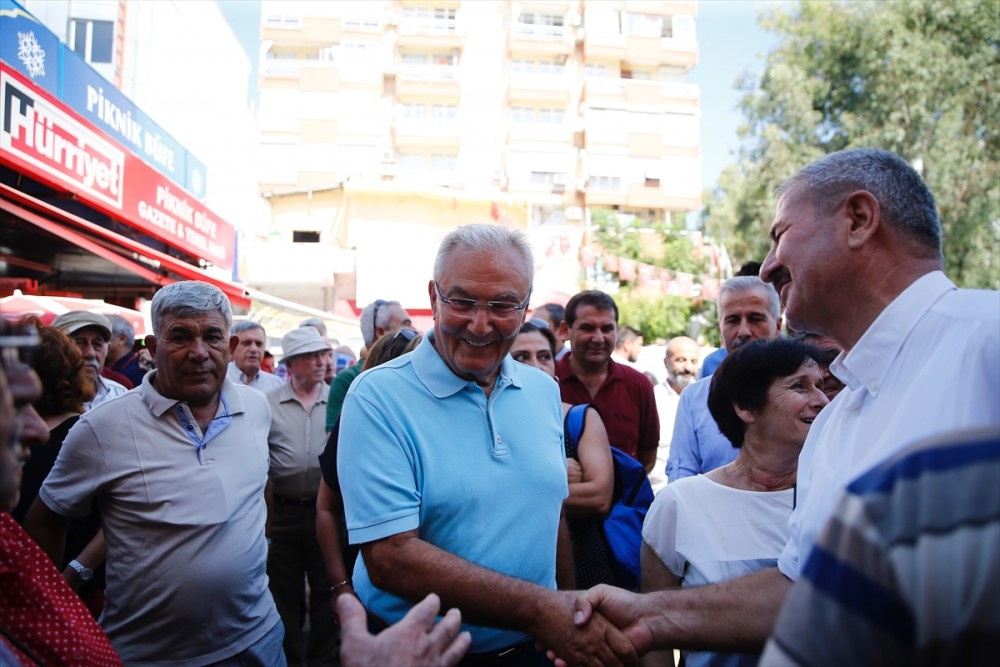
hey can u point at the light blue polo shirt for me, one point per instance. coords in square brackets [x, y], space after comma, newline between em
[483, 479]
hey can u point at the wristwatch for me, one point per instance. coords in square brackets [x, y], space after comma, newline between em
[86, 574]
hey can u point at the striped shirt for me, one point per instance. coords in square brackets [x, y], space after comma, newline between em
[907, 571]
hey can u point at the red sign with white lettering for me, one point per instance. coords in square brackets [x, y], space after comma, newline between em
[49, 142]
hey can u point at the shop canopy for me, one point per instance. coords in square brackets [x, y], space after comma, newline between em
[47, 308]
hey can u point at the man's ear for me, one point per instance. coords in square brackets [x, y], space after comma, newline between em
[432, 293]
[863, 212]
[234, 342]
[150, 343]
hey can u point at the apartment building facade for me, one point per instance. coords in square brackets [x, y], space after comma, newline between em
[385, 123]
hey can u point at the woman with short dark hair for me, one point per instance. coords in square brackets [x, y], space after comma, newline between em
[733, 520]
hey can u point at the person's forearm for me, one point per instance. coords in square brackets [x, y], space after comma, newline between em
[735, 615]
[412, 568]
[328, 535]
[48, 530]
[587, 498]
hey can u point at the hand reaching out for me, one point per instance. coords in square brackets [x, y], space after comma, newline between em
[415, 641]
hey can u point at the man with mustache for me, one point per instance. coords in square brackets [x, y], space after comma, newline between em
[681, 362]
[588, 374]
[178, 467]
[453, 470]
[748, 310]
[91, 332]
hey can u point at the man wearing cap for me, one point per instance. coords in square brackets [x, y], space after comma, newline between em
[91, 333]
[178, 467]
[296, 440]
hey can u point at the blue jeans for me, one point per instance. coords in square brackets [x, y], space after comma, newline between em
[265, 652]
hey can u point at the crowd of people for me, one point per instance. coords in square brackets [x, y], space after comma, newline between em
[827, 494]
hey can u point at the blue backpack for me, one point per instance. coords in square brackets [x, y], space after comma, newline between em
[630, 501]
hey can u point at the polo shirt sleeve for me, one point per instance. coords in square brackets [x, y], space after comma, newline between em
[377, 473]
[78, 473]
[684, 459]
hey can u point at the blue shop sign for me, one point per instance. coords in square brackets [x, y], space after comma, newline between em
[28, 46]
[97, 100]
[35, 51]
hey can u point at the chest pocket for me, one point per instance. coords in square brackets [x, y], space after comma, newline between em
[177, 490]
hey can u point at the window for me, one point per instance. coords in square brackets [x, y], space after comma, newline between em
[604, 183]
[299, 236]
[642, 25]
[541, 19]
[283, 21]
[443, 111]
[542, 178]
[92, 39]
[443, 161]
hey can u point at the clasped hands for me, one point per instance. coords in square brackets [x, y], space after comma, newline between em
[593, 628]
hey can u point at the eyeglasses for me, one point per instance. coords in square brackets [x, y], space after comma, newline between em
[498, 309]
[407, 334]
[378, 304]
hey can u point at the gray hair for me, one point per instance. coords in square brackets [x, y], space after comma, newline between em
[375, 314]
[189, 298]
[744, 283]
[246, 325]
[121, 327]
[904, 200]
[487, 238]
[316, 323]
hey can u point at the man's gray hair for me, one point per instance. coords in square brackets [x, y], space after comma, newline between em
[246, 325]
[488, 238]
[375, 314]
[744, 283]
[316, 323]
[189, 298]
[121, 327]
[904, 200]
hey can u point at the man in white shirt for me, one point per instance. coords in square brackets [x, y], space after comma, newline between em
[91, 332]
[856, 256]
[248, 355]
[681, 362]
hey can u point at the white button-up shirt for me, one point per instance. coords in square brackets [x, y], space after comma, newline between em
[930, 363]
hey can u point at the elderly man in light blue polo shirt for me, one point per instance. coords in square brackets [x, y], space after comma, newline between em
[453, 472]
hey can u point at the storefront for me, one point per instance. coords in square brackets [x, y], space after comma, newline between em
[94, 197]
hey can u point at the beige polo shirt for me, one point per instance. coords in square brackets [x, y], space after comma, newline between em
[296, 440]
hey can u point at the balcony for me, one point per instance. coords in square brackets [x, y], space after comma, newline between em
[429, 32]
[301, 30]
[427, 79]
[641, 49]
[618, 92]
[425, 133]
[547, 89]
[540, 39]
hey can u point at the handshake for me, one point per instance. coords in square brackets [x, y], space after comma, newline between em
[596, 627]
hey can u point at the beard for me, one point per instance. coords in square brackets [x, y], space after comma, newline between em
[682, 380]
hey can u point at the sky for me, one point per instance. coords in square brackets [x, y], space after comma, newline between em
[729, 43]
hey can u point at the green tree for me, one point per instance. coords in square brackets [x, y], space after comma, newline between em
[917, 77]
[663, 317]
